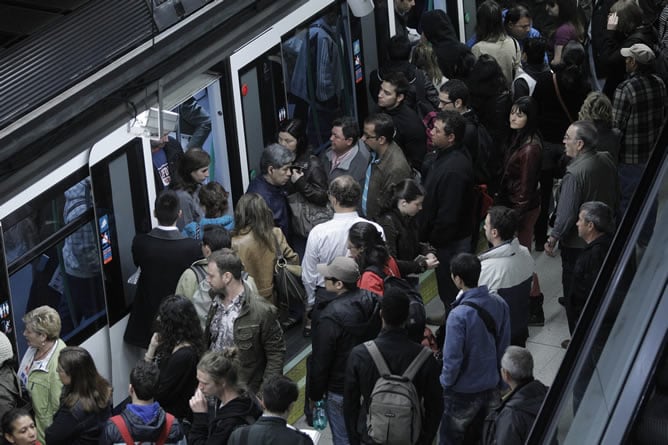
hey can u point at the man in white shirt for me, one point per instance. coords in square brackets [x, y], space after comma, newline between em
[329, 239]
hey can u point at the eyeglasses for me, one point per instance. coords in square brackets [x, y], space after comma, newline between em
[332, 279]
[368, 136]
[446, 102]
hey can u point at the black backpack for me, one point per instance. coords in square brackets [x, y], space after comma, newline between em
[417, 318]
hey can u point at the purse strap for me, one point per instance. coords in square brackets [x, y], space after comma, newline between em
[561, 100]
[280, 259]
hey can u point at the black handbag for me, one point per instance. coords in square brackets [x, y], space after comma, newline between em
[305, 215]
[288, 286]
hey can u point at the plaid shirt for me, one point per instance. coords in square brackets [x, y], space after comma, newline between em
[638, 111]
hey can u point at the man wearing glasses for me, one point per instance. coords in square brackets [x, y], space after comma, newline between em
[590, 176]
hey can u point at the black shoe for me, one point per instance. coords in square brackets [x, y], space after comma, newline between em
[566, 343]
[537, 319]
[288, 323]
[562, 301]
[306, 332]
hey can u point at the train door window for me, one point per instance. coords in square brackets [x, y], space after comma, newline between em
[53, 259]
[122, 210]
[317, 66]
[263, 99]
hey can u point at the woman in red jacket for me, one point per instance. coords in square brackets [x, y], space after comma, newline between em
[367, 246]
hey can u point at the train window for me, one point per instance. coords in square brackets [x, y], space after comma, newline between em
[53, 259]
[318, 79]
[122, 210]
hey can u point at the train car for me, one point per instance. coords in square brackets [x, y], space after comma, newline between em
[75, 194]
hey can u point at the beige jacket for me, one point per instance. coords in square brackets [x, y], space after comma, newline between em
[259, 261]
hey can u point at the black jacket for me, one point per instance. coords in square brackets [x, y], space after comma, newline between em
[411, 73]
[613, 60]
[74, 426]
[361, 375]
[313, 185]
[339, 324]
[401, 235]
[511, 423]
[235, 413]
[163, 256]
[447, 213]
[269, 430]
[173, 153]
[410, 133]
[586, 270]
[140, 430]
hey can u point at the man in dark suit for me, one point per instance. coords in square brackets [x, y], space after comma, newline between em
[162, 255]
[279, 393]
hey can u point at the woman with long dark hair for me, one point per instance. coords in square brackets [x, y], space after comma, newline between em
[193, 170]
[367, 247]
[493, 40]
[521, 173]
[176, 346]
[85, 403]
[218, 375]
[309, 178]
[401, 230]
[569, 27]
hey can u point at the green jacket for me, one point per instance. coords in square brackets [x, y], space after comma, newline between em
[259, 337]
[44, 387]
[196, 289]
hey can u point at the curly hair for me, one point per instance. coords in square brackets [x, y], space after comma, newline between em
[44, 320]
[213, 197]
[596, 108]
[373, 251]
[177, 322]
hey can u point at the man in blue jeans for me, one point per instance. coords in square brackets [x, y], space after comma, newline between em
[477, 333]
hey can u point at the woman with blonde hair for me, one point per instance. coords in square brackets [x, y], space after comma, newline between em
[256, 239]
[424, 58]
[597, 108]
[37, 371]
[218, 376]
[85, 403]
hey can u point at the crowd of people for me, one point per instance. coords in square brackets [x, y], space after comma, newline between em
[530, 137]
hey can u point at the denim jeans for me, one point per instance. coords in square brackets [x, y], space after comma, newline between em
[447, 290]
[464, 415]
[629, 177]
[335, 419]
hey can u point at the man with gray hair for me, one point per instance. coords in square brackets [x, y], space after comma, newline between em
[275, 168]
[590, 176]
[511, 422]
[596, 227]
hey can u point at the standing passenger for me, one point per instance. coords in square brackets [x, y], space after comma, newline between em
[193, 171]
[239, 317]
[162, 255]
[446, 215]
[37, 371]
[275, 171]
[477, 334]
[85, 404]
[348, 155]
[219, 379]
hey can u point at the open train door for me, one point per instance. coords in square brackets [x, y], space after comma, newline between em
[121, 174]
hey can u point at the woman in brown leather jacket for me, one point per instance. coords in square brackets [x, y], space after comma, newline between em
[519, 184]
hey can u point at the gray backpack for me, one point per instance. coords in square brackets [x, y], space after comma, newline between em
[395, 409]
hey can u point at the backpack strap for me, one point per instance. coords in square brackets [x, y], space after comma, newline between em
[485, 316]
[561, 100]
[119, 421]
[377, 357]
[169, 420]
[200, 273]
[417, 363]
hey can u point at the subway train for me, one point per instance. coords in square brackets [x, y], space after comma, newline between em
[77, 181]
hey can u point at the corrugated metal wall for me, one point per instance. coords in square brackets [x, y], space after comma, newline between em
[47, 63]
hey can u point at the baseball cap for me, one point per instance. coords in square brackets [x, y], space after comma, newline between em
[342, 268]
[640, 52]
